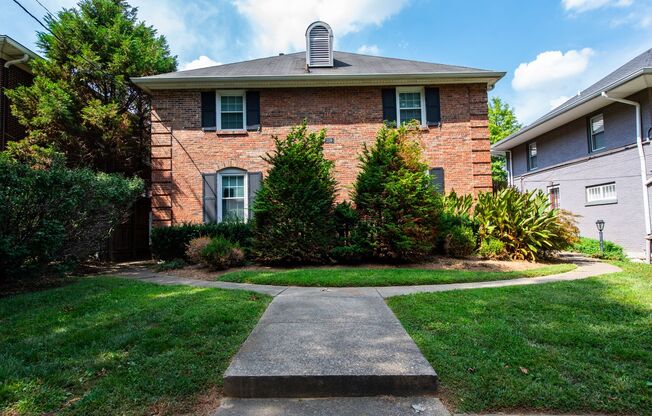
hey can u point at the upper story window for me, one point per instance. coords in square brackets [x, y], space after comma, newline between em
[596, 124]
[231, 114]
[601, 194]
[532, 156]
[411, 105]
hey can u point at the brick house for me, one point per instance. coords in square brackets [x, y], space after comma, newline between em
[14, 71]
[210, 126]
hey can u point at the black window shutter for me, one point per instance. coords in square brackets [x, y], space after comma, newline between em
[389, 104]
[253, 110]
[433, 110]
[255, 180]
[209, 203]
[208, 116]
[437, 176]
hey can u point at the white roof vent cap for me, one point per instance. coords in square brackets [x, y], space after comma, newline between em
[319, 45]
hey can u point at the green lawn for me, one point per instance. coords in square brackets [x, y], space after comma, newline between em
[582, 346]
[360, 276]
[112, 346]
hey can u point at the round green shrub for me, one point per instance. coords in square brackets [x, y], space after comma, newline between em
[460, 241]
[221, 254]
[491, 248]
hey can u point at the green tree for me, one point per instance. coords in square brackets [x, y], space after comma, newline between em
[397, 205]
[293, 212]
[82, 101]
[502, 123]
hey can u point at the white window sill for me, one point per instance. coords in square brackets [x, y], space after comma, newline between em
[605, 202]
[231, 132]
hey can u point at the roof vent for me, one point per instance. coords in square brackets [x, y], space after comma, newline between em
[319, 45]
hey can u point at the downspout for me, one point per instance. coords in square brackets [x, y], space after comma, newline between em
[510, 168]
[5, 109]
[644, 180]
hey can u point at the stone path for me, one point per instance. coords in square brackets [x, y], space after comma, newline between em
[337, 351]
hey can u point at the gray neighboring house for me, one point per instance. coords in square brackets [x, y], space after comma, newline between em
[592, 155]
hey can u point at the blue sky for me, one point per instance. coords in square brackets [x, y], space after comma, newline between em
[550, 49]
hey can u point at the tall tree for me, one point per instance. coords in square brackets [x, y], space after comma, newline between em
[82, 101]
[502, 123]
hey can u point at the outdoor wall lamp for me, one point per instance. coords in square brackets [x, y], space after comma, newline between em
[600, 225]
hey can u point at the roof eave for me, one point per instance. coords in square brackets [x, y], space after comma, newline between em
[18, 49]
[522, 135]
[157, 83]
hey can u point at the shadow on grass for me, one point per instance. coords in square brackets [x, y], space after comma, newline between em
[113, 346]
[580, 346]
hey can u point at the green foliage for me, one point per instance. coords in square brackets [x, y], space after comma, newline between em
[82, 101]
[221, 254]
[523, 222]
[591, 247]
[491, 248]
[169, 243]
[459, 205]
[293, 212]
[49, 217]
[171, 265]
[195, 249]
[502, 123]
[347, 249]
[458, 231]
[397, 205]
[460, 241]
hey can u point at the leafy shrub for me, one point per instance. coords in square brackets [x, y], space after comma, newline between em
[221, 254]
[170, 243]
[396, 202]
[454, 204]
[460, 241]
[52, 216]
[523, 222]
[195, 249]
[491, 248]
[347, 249]
[293, 211]
[170, 265]
[591, 247]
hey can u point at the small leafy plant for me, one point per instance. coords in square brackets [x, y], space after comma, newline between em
[591, 247]
[220, 254]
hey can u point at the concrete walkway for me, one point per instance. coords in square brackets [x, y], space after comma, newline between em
[337, 351]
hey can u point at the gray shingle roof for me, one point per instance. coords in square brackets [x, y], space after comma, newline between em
[345, 63]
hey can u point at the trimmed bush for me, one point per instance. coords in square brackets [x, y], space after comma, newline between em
[293, 212]
[491, 248]
[169, 243]
[52, 217]
[460, 241]
[591, 247]
[396, 202]
[195, 249]
[220, 254]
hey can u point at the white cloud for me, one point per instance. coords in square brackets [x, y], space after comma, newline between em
[550, 66]
[279, 25]
[369, 50]
[202, 62]
[556, 102]
[580, 6]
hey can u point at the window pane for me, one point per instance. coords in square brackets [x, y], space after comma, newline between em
[597, 124]
[232, 103]
[601, 193]
[409, 100]
[554, 198]
[232, 186]
[232, 121]
[597, 141]
[409, 115]
[232, 209]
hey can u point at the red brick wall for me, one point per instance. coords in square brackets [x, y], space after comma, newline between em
[351, 116]
[13, 76]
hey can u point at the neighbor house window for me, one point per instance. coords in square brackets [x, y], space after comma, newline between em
[553, 195]
[597, 132]
[601, 194]
[232, 187]
[231, 114]
[531, 156]
[411, 105]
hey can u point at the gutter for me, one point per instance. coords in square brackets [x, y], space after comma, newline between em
[644, 179]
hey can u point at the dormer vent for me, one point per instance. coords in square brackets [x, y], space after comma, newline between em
[319, 45]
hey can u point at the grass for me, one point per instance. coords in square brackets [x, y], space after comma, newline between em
[581, 346]
[591, 248]
[112, 346]
[360, 276]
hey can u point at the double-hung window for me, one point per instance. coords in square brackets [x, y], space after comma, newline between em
[596, 126]
[553, 195]
[232, 188]
[411, 105]
[231, 114]
[601, 194]
[532, 156]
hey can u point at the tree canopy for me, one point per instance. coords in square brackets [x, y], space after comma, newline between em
[82, 101]
[502, 123]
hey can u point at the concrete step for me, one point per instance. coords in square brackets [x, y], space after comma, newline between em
[337, 406]
[321, 344]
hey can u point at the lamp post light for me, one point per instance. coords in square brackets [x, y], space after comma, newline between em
[600, 225]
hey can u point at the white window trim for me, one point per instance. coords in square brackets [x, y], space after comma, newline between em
[422, 92]
[529, 157]
[550, 188]
[591, 132]
[603, 200]
[218, 106]
[232, 172]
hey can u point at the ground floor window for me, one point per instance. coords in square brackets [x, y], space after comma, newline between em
[601, 194]
[553, 195]
[232, 203]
